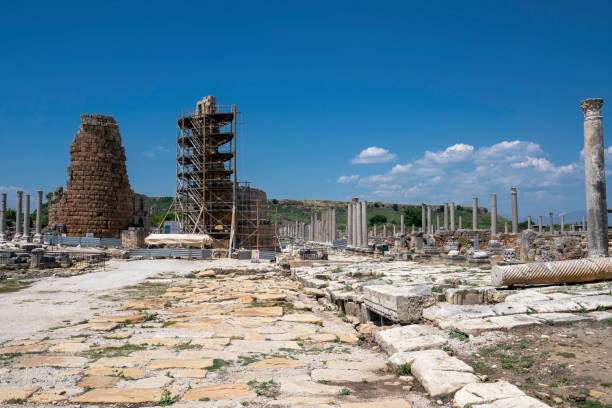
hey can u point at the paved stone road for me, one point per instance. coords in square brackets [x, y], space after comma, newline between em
[216, 339]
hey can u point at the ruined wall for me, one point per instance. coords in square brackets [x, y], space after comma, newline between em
[529, 245]
[98, 198]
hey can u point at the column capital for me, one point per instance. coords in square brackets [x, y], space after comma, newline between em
[591, 107]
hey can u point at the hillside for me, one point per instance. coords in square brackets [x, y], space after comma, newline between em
[300, 210]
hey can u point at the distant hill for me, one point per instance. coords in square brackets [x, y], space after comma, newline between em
[300, 210]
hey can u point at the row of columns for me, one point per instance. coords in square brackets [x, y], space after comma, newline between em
[295, 229]
[357, 225]
[324, 229]
[22, 219]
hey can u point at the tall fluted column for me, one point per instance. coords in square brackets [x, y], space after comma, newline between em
[514, 211]
[18, 219]
[540, 224]
[334, 225]
[364, 223]
[551, 223]
[438, 222]
[460, 222]
[446, 216]
[584, 226]
[475, 213]
[349, 225]
[3, 218]
[493, 215]
[402, 226]
[311, 231]
[26, 219]
[452, 216]
[359, 224]
[39, 215]
[562, 224]
[355, 222]
[595, 178]
[429, 226]
[529, 222]
[423, 222]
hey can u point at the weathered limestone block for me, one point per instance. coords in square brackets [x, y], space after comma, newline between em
[499, 394]
[465, 296]
[403, 304]
[410, 338]
[444, 314]
[437, 371]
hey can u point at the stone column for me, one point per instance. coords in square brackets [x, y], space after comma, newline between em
[540, 225]
[514, 211]
[394, 232]
[402, 226]
[551, 224]
[412, 230]
[438, 222]
[374, 230]
[452, 216]
[349, 225]
[384, 231]
[364, 223]
[26, 219]
[529, 222]
[359, 225]
[3, 218]
[354, 223]
[562, 224]
[423, 221]
[493, 215]
[429, 226]
[446, 216]
[475, 213]
[334, 226]
[18, 219]
[39, 201]
[460, 222]
[595, 178]
[505, 227]
[311, 232]
[584, 226]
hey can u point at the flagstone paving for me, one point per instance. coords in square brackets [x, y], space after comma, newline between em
[251, 338]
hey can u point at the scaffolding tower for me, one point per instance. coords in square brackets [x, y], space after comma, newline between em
[206, 171]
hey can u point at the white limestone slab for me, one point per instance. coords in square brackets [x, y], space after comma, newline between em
[410, 338]
[481, 393]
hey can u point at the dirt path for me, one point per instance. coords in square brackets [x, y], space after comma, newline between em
[53, 301]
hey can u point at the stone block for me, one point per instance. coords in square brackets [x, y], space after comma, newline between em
[482, 393]
[410, 338]
[465, 296]
[402, 304]
[444, 314]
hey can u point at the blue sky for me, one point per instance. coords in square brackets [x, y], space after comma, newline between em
[468, 98]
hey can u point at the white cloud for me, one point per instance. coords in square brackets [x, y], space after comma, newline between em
[155, 151]
[347, 179]
[401, 168]
[462, 171]
[455, 153]
[374, 154]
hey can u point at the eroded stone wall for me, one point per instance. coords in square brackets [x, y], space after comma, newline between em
[97, 198]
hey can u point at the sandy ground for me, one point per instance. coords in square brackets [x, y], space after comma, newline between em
[52, 301]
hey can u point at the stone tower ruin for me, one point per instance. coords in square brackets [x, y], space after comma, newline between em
[98, 198]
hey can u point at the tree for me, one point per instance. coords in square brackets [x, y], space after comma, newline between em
[274, 201]
[395, 207]
[376, 205]
[412, 215]
[377, 220]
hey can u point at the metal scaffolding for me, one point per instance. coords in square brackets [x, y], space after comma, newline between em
[206, 187]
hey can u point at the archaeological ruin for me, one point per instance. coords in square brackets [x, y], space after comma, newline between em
[98, 199]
